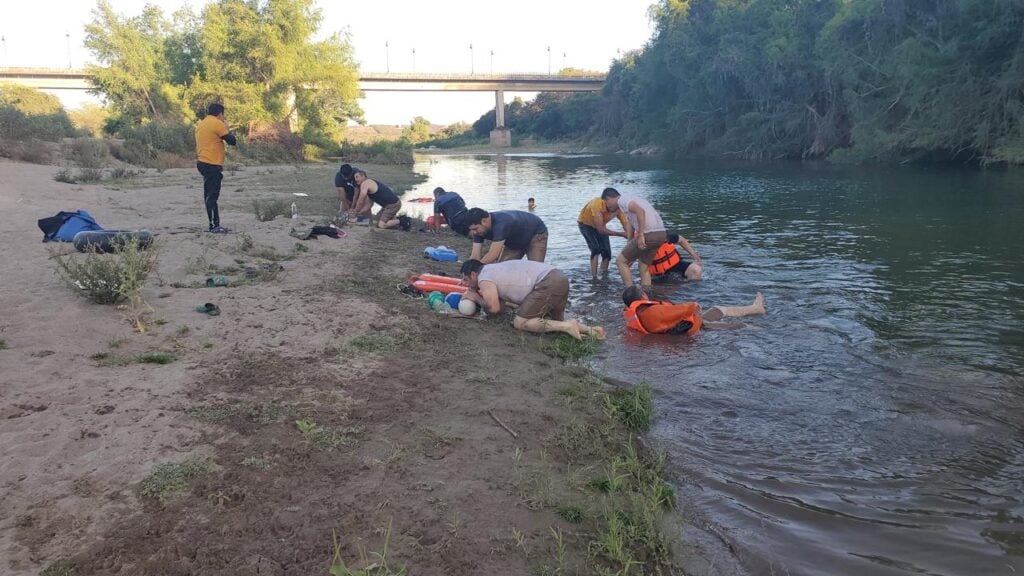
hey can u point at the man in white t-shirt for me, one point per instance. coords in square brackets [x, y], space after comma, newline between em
[649, 234]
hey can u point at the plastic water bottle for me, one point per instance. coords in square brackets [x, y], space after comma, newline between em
[295, 210]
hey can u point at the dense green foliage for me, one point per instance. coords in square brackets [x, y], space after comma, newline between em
[27, 113]
[258, 57]
[903, 80]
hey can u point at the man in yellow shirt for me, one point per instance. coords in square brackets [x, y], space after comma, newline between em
[592, 222]
[211, 134]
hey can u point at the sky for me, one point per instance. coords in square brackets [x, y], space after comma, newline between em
[580, 34]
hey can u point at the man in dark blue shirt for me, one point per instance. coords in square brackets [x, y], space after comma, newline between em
[453, 208]
[345, 182]
[513, 234]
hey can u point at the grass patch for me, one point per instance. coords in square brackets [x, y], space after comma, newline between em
[570, 349]
[326, 437]
[571, 514]
[258, 462]
[156, 358]
[63, 567]
[631, 407]
[376, 343]
[374, 563]
[212, 412]
[172, 478]
[3, 344]
[267, 210]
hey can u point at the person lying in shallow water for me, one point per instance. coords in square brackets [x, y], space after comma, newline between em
[661, 317]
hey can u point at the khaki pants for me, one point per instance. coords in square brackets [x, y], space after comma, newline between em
[535, 252]
[548, 298]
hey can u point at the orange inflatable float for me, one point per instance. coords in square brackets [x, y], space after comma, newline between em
[433, 282]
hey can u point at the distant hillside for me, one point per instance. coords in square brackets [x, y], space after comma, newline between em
[372, 133]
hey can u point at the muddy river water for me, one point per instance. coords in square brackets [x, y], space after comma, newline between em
[873, 421]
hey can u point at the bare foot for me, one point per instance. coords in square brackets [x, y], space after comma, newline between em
[574, 329]
[597, 332]
[759, 303]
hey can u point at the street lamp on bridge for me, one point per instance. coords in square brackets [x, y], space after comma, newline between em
[414, 60]
[549, 60]
[492, 61]
[67, 35]
[471, 63]
[387, 57]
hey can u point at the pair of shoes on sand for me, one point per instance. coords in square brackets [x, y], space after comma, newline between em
[218, 230]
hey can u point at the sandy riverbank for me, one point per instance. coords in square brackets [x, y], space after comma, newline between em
[399, 404]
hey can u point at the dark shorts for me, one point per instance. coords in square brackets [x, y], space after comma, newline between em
[548, 298]
[597, 242]
[679, 269]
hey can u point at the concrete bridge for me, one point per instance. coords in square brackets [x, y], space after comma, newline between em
[68, 79]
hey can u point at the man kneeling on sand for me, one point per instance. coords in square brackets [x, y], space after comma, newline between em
[537, 291]
[648, 316]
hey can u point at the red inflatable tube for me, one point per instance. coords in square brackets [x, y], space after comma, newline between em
[434, 283]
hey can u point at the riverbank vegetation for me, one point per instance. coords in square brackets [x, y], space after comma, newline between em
[870, 80]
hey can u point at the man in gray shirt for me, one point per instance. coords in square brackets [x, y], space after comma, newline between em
[537, 291]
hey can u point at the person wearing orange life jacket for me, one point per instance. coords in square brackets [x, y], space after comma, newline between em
[648, 316]
[667, 261]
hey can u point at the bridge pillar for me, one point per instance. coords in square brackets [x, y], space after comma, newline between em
[501, 136]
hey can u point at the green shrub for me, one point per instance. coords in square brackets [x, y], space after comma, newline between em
[65, 175]
[632, 407]
[108, 278]
[171, 478]
[133, 152]
[267, 210]
[89, 175]
[34, 151]
[379, 152]
[16, 125]
[162, 136]
[89, 152]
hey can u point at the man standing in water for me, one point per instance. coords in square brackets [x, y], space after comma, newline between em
[537, 291]
[648, 316]
[592, 221]
[648, 234]
[513, 234]
[211, 134]
[371, 191]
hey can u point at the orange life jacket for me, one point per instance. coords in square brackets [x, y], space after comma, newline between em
[663, 316]
[665, 259]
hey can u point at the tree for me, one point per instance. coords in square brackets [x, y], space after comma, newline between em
[417, 131]
[258, 57]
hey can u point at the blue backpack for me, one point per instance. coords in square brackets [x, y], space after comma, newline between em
[64, 226]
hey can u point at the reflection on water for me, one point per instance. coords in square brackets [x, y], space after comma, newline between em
[871, 422]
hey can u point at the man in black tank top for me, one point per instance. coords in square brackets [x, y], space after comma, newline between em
[376, 192]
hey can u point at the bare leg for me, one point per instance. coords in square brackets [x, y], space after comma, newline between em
[757, 308]
[645, 275]
[571, 327]
[593, 266]
[389, 224]
[604, 264]
[693, 272]
[624, 271]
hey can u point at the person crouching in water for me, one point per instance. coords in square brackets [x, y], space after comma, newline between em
[668, 263]
[648, 316]
[538, 292]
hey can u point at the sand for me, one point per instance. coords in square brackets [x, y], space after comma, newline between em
[406, 396]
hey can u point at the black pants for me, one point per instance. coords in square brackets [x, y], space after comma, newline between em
[212, 176]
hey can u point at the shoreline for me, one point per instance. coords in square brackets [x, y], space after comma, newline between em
[399, 443]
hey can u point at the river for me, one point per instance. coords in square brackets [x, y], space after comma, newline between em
[873, 421]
